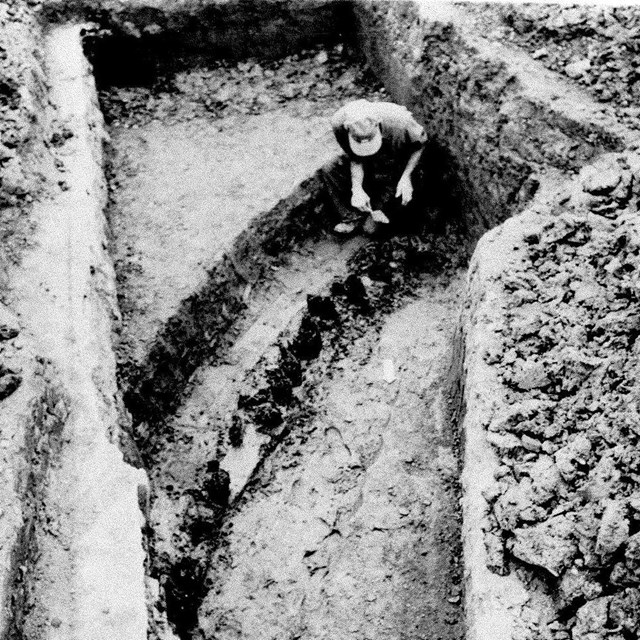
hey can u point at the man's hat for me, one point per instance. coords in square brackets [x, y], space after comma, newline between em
[365, 136]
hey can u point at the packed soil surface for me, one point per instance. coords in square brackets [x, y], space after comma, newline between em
[197, 432]
[351, 528]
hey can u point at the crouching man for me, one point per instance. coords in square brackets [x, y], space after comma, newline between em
[378, 181]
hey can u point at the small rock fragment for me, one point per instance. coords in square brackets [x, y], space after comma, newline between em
[8, 332]
[614, 529]
[600, 180]
[531, 375]
[550, 545]
[577, 68]
[8, 384]
[591, 620]
[568, 457]
[388, 371]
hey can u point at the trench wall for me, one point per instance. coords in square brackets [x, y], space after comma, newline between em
[144, 35]
[73, 564]
[196, 332]
[31, 406]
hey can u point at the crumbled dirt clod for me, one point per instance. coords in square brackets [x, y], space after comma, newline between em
[308, 342]
[8, 332]
[9, 382]
[322, 307]
[614, 529]
[355, 291]
[549, 545]
[624, 611]
[236, 430]
[267, 416]
[591, 620]
[216, 485]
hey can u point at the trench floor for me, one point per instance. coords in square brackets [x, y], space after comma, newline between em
[353, 531]
[199, 425]
[198, 155]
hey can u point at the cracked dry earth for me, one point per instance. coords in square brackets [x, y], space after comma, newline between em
[351, 528]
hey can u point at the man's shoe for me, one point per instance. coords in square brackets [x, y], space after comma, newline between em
[344, 228]
[379, 216]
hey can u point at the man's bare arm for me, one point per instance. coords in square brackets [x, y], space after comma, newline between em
[412, 163]
[359, 198]
[405, 188]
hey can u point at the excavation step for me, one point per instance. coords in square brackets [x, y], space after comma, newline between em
[198, 431]
[352, 530]
[184, 192]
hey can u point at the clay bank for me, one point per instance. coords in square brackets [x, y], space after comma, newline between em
[219, 420]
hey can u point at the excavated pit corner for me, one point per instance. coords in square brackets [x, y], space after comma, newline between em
[498, 144]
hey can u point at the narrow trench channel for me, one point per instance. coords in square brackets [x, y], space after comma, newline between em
[293, 397]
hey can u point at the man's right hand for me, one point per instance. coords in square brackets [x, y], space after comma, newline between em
[360, 200]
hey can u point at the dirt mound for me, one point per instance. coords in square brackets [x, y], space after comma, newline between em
[22, 90]
[596, 47]
[565, 497]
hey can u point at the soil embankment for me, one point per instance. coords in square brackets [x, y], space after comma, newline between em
[82, 519]
[552, 359]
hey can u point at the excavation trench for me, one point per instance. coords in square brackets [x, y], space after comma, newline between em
[293, 396]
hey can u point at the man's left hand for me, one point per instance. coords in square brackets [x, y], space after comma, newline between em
[404, 190]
